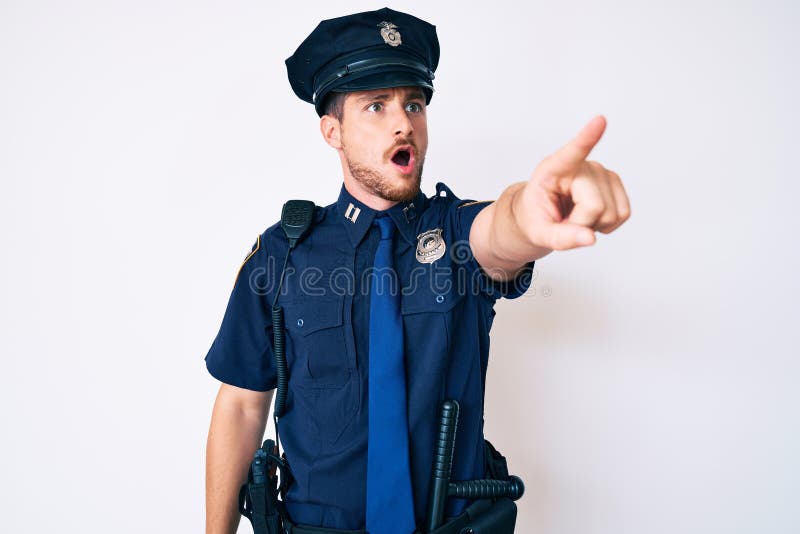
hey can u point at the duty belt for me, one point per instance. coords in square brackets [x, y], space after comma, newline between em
[493, 511]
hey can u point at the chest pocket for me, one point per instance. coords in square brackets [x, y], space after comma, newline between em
[318, 340]
[322, 365]
[428, 320]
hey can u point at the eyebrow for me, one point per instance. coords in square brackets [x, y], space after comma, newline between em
[370, 98]
[413, 95]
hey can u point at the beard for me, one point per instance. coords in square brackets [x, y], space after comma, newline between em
[383, 187]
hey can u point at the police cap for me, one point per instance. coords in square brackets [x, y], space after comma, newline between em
[363, 51]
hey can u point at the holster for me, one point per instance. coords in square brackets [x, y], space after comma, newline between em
[258, 498]
[486, 516]
[483, 517]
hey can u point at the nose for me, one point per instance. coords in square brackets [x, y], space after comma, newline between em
[402, 122]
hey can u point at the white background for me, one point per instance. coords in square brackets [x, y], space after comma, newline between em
[646, 385]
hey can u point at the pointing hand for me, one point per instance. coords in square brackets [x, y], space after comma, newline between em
[568, 198]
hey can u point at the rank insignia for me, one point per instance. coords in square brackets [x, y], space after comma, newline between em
[352, 213]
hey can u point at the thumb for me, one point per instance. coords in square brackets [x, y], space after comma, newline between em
[569, 156]
[564, 236]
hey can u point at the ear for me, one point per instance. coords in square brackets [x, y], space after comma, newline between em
[331, 130]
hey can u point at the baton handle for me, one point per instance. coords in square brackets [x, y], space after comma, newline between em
[513, 488]
[442, 463]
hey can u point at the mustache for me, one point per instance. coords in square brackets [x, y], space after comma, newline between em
[398, 143]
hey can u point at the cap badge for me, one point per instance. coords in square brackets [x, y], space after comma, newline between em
[390, 34]
[430, 246]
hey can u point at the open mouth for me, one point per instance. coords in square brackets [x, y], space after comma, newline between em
[403, 158]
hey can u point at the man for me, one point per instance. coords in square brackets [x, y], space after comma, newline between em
[360, 355]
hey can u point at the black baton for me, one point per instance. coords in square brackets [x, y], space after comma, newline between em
[442, 464]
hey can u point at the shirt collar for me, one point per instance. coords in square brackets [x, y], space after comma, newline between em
[357, 217]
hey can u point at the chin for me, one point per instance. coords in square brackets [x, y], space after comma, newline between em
[390, 186]
[406, 189]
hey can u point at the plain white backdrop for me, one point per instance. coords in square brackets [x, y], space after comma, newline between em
[646, 385]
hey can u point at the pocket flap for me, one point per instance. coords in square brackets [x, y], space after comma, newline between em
[313, 314]
[427, 300]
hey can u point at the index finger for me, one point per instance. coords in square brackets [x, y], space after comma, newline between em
[570, 156]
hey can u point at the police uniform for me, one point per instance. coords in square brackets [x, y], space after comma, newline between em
[446, 306]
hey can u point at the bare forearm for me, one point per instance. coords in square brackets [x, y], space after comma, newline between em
[234, 436]
[499, 243]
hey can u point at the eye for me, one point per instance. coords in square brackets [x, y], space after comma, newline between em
[413, 107]
[375, 107]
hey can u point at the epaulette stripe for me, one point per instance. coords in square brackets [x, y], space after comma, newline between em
[258, 246]
[474, 202]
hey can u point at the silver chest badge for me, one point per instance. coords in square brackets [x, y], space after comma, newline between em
[390, 34]
[430, 246]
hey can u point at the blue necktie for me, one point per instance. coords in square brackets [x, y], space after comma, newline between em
[390, 505]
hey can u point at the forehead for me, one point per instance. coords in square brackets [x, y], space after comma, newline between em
[386, 93]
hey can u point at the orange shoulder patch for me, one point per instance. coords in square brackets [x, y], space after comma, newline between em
[252, 253]
[475, 202]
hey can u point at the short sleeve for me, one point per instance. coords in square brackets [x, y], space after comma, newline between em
[462, 215]
[241, 354]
